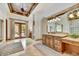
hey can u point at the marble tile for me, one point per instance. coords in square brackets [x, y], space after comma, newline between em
[31, 50]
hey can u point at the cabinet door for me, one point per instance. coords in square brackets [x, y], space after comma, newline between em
[51, 42]
[43, 39]
[57, 44]
[47, 40]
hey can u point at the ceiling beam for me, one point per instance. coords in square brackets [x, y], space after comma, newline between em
[63, 11]
[22, 13]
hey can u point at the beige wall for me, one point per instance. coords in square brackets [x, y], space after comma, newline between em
[5, 14]
[41, 11]
[12, 26]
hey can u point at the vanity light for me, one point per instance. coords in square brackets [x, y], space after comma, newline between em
[50, 21]
[54, 20]
[71, 16]
[77, 13]
[58, 19]
[74, 15]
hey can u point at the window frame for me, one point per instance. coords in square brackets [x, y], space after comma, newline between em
[20, 30]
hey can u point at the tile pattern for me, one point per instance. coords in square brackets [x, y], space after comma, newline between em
[31, 48]
[11, 48]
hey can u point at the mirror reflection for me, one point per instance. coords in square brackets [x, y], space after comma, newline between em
[54, 25]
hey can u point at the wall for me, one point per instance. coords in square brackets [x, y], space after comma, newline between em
[41, 11]
[36, 29]
[74, 26]
[45, 10]
[5, 14]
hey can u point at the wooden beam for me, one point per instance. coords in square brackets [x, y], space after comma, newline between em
[22, 13]
[10, 7]
[32, 7]
[63, 11]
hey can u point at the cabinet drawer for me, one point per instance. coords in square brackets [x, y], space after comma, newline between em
[49, 41]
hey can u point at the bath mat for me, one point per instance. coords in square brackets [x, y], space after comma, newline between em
[11, 48]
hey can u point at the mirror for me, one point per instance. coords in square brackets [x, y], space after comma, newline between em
[59, 27]
[74, 27]
[55, 25]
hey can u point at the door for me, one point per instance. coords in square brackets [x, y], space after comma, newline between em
[20, 30]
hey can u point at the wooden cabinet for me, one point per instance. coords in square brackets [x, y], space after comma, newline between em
[71, 46]
[53, 41]
[62, 44]
[44, 39]
[57, 44]
[48, 40]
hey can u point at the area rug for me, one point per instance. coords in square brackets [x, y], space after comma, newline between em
[46, 50]
[11, 48]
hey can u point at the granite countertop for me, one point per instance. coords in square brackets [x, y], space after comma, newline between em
[57, 34]
[71, 39]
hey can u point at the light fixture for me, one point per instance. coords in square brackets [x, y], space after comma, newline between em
[22, 8]
[54, 20]
[71, 16]
[58, 19]
[77, 14]
[74, 15]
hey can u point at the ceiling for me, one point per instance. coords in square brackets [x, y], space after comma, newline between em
[22, 8]
[49, 9]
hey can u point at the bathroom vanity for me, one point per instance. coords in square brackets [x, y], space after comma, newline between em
[61, 43]
[71, 45]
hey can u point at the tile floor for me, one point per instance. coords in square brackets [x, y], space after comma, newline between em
[29, 48]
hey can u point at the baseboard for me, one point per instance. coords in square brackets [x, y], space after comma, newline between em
[38, 39]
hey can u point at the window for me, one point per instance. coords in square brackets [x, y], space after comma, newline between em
[74, 27]
[55, 27]
[59, 28]
[20, 30]
[17, 30]
[23, 31]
